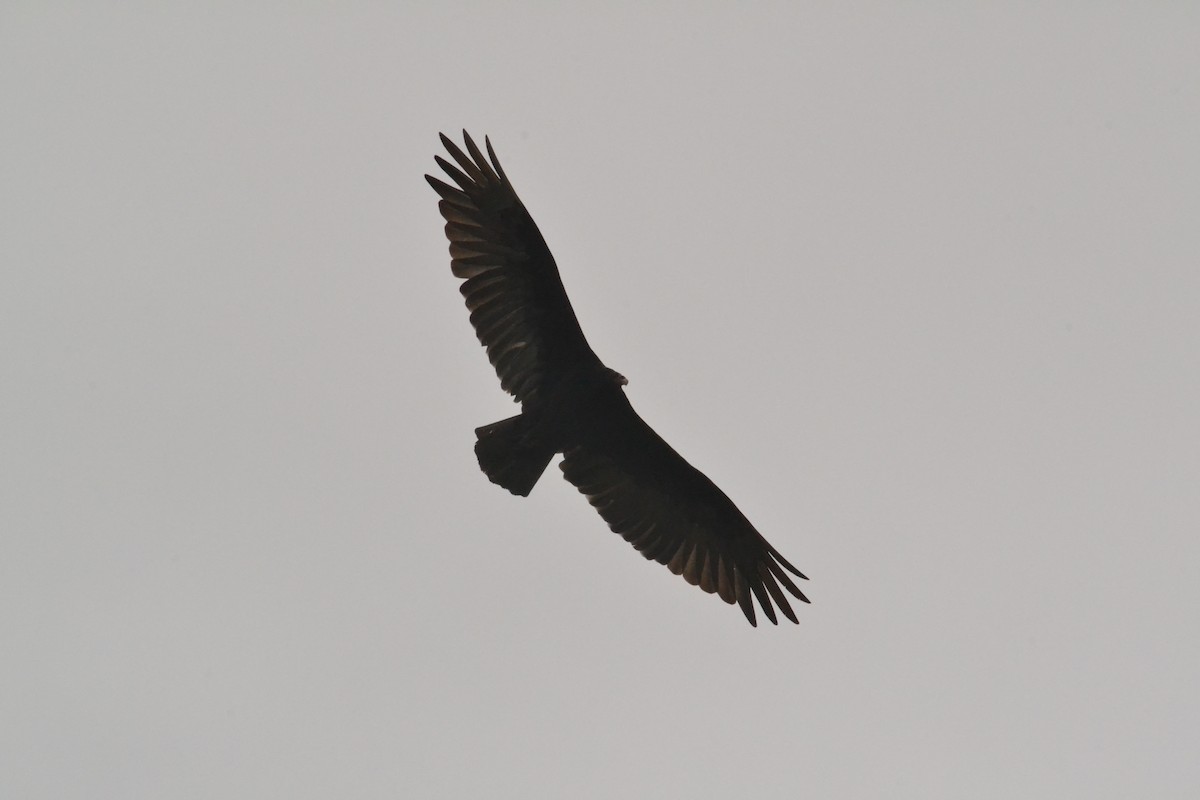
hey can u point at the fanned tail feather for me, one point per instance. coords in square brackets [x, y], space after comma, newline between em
[508, 457]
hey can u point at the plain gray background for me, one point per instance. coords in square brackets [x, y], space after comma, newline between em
[916, 284]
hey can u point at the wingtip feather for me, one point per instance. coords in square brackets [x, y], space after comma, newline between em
[495, 161]
[786, 564]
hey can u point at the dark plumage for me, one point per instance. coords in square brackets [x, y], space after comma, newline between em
[572, 404]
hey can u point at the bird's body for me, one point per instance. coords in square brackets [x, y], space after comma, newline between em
[573, 404]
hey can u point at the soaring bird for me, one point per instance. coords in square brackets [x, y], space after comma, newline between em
[571, 403]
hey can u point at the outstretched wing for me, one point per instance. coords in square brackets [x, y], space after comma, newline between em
[673, 514]
[518, 306]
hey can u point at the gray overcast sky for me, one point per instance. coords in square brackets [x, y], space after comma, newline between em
[916, 284]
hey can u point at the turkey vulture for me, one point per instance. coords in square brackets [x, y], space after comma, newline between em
[572, 404]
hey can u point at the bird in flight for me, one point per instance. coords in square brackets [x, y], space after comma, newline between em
[571, 403]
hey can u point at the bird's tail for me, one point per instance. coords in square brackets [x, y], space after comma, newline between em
[508, 455]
